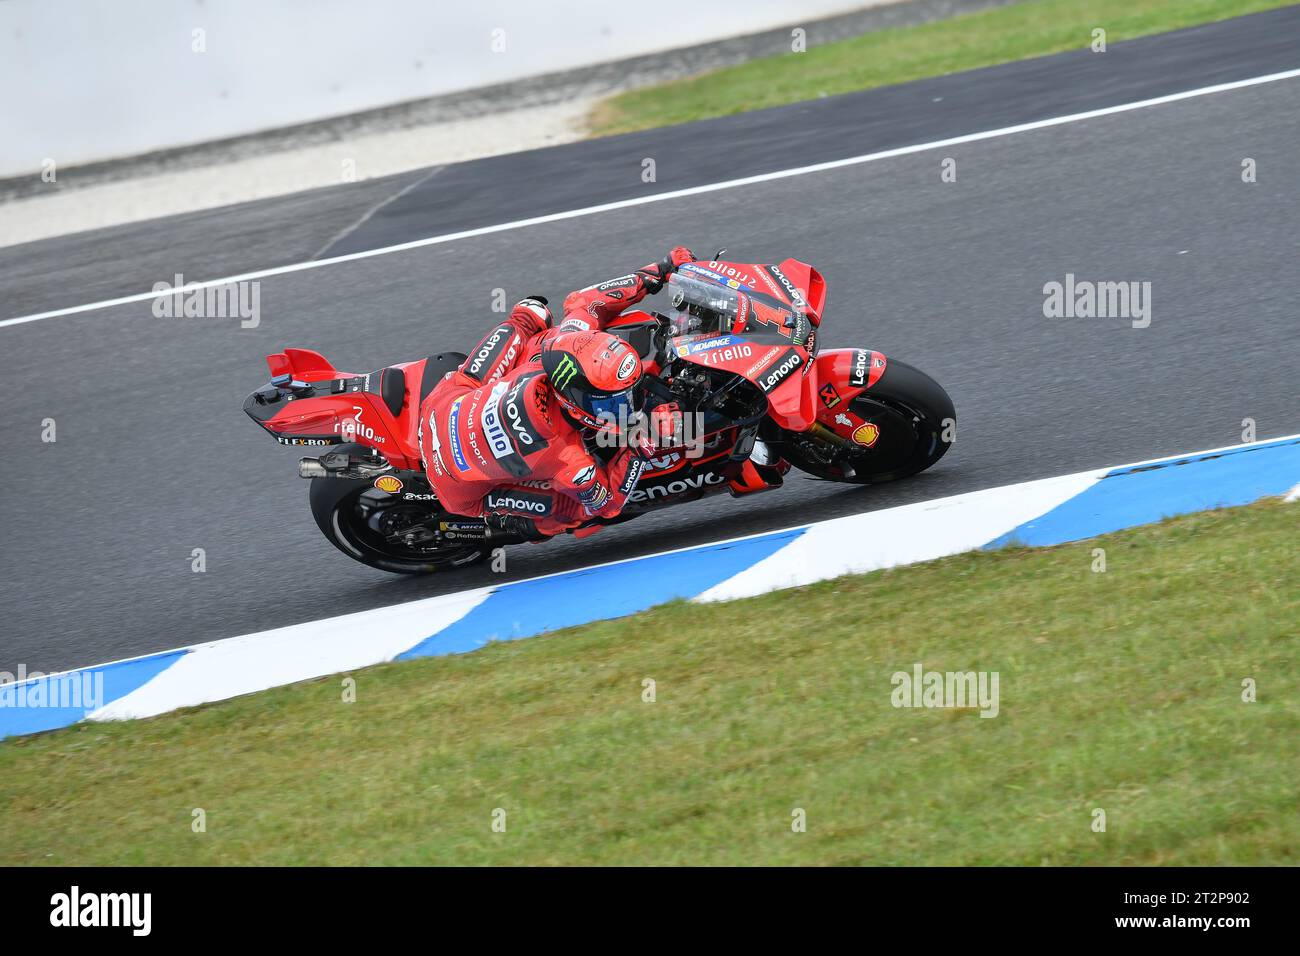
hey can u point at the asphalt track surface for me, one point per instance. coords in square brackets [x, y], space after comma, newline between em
[108, 263]
[154, 456]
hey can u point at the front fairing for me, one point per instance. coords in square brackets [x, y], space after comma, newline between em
[761, 324]
[779, 369]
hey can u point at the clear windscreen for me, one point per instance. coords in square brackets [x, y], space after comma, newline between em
[697, 307]
[700, 307]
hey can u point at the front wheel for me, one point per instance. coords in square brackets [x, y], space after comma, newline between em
[381, 530]
[915, 420]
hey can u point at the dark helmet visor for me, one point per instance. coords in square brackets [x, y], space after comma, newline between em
[616, 408]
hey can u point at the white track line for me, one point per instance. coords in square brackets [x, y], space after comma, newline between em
[675, 194]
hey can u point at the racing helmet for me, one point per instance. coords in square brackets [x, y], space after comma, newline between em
[596, 378]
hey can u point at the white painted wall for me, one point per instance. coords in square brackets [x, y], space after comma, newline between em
[84, 80]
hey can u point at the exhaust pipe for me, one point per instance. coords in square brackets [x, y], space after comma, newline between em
[340, 464]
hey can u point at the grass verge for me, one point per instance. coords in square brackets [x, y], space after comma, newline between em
[885, 57]
[1119, 690]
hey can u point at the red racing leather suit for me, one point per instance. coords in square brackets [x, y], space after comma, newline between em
[493, 440]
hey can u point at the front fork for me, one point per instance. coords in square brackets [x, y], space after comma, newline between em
[828, 435]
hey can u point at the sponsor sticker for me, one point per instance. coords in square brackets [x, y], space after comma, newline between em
[763, 362]
[389, 483]
[664, 462]
[501, 340]
[725, 271]
[523, 502]
[800, 329]
[732, 353]
[574, 324]
[436, 447]
[493, 428]
[632, 477]
[526, 437]
[594, 498]
[718, 342]
[564, 371]
[830, 397]
[354, 429]
[866, 435]
[453, 435]
[791, 290]
[858, 371]
[626, 367]
[297, 440]
[792, 362]
[680, 486]
[866, 369]
[699, 270]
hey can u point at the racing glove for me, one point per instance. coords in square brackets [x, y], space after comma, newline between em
[666, 424]
[533, 314]
[654, 275]
[641, 441]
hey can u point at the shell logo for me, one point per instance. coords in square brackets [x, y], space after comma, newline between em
[388, 483]
[866, 435]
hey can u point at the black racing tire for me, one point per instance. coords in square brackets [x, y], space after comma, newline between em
[336, 506]
[914, 415]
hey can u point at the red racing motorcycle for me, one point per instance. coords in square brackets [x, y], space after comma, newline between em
[733, 345]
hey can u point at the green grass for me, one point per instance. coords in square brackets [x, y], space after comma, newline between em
[1119, 690]
[875, 59]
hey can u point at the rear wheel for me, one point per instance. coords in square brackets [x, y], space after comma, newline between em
[381, 530]
[913, 415]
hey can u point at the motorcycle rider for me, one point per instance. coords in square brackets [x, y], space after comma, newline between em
[503, 436]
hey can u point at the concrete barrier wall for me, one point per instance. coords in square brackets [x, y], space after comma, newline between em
[87, 80]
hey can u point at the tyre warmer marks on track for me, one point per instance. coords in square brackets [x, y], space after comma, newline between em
[1043, 512]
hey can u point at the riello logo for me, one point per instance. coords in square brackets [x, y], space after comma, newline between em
[353, 429]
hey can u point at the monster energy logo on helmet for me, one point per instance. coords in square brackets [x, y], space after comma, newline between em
[564, 372]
